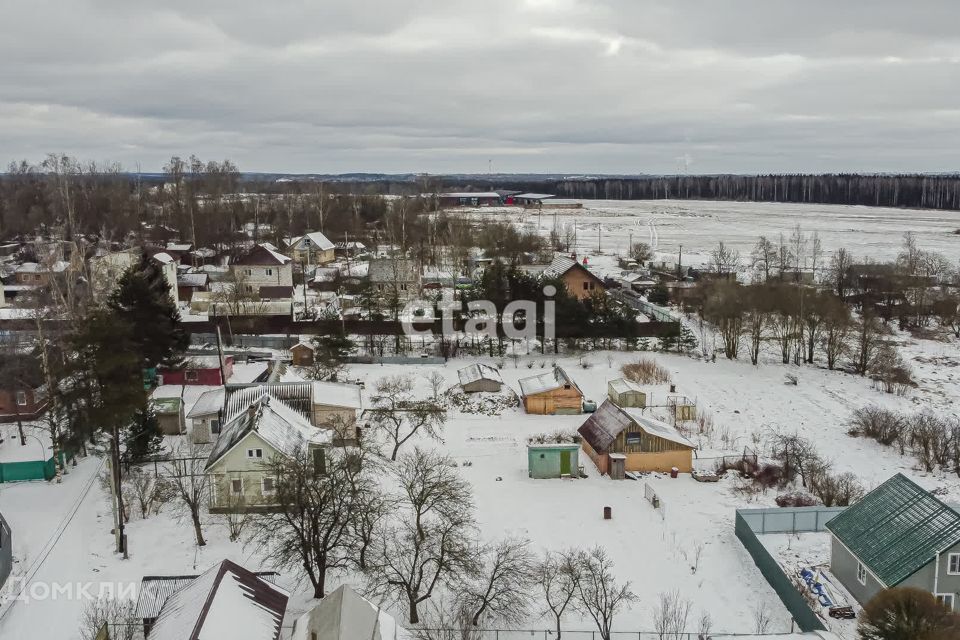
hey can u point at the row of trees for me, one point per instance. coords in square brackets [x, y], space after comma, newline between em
[933, 439]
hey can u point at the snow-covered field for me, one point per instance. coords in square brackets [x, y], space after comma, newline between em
[869, 232]
[657, 551]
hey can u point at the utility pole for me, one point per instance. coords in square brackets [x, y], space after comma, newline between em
[223, 375]
[680, 264]
[599, 232]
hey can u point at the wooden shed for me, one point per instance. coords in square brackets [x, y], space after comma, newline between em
[626, 393]
[550, 393]
[646, 444]
[480, 377]
[302, 354]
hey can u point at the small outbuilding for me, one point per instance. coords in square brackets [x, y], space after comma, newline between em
[553, 460]
[302, 354]
[626, 393]
[480, 377]
[169, 412]
[613, 433]
[551, 393]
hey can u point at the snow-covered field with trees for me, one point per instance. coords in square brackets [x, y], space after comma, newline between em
[873, 233]
[687, 545]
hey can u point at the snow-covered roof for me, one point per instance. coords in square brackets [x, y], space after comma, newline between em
[546, 381]
[179, 246]
[315, 238]
[657, 428]
[278, 425]
[478, 371]
[156, 590]
[263, 253]
[603, 426]
[192, 279]
[469, 194]
[337, 394]
[226, 601]
[210, 402]
[622, 385]
[345, 615]
[163, 257]
[295, 395]
[534, 196]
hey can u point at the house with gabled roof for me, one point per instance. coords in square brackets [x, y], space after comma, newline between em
[226, 601]
[263, 267]
[250, 440]
[898, 535]
[615, 436]
[579, 281]
[552, 392]
[312, 249]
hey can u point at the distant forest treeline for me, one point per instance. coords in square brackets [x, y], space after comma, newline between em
[911, 191]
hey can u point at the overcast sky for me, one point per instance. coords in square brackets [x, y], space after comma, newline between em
[558, 86]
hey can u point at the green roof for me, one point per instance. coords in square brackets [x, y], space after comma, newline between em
[897, 529]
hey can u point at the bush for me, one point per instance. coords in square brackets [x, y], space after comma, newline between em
[646, 371]
[796, 499]
[906, 612]
[836, 491]
[883, 425]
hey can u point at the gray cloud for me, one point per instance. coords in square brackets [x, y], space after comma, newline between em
[617, 86]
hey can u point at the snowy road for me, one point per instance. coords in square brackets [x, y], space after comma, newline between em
[51, 527]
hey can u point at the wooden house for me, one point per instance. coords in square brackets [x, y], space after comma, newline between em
[302, 354]
[22, 390]
[626, 393]
[578, 280]
[253, 435]
[480, 377]
[641, 442]
[552, 392]
[312, 248]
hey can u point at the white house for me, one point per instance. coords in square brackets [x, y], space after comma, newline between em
[264, 267]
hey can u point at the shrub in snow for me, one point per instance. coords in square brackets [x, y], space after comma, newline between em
[796, 499]
[645, 371]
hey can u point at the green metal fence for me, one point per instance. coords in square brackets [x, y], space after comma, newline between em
[805, 618]
[30, 470]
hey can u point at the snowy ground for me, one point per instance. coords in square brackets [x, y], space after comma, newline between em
[655, 550]
[793, 551]
[873, 232]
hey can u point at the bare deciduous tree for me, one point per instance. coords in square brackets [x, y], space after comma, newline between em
[558, 574]
[671, 615]
[431, 543]
[318, 511]
[189, 483]
[400, 416]
[501, 590]
[117, 616]
[599, 595]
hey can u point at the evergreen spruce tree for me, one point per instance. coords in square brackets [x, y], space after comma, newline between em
[143, 437]
[142, 299]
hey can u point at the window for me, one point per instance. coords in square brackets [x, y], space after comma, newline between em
[861, 573]
[236, 486]
[586, 286]
[248, 272]
[946, 599]
[267, 486]
[634, 437]
[21, 398]
[192, 376]
[268, 272]
[319, 462]
[254, 453]
[953, 564]
[215, 426]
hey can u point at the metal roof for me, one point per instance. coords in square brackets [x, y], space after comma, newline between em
[603, 426]
[534, 196]
[154, 591]
[547, 381]
[897, 529]
[209, 403]
[479, 371]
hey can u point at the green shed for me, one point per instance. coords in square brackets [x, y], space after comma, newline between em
[553, 460]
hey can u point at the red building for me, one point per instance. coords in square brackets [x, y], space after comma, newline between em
[22, 392]
[199, 370]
